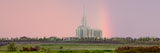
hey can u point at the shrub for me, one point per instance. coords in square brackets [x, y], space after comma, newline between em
[25, 49]
[12, 47]
[34, 49]
[61, 47]
[49, 51]
[29, 49]
[137, 49]
[44, 50]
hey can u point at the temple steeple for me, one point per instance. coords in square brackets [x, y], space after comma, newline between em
[84, 21]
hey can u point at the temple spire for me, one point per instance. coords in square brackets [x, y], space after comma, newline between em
[83, 10]
[84, 21]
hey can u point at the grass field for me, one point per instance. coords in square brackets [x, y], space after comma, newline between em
[75, 48]
[87, 46]
[67, 51]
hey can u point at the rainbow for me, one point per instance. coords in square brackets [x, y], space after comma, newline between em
[104, 21]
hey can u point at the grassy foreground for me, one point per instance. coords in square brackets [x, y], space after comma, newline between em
[70, 48]
[68, 51]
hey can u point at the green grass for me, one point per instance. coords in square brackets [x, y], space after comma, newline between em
[86, 46]
[80, 46]
[55, 48]
[68, 51]
[22, 52]
[19, 46]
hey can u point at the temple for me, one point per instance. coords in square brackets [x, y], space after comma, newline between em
[84, 31]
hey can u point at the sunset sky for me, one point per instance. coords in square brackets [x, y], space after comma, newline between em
[60, 18]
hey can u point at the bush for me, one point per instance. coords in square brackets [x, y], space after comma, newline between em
[34, 49]
[29, 49]
[61, 47]
[44, 50]
[153, 49]
[25, 49]
[12, 47]
[49, 51]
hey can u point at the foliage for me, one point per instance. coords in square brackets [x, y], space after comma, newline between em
[81, 51]
[67, 51]
[153, 49]
[61, 47]
[30, 49]
[49, 51]
[12, 47]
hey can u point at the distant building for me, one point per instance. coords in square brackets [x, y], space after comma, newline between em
[84, 31]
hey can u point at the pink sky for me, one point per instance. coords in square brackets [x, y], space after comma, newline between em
[60, 18]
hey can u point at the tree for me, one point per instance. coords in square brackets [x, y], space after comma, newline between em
[40, 38]
[12, 47]
[16, 39]
[105, 39]
[44, 38]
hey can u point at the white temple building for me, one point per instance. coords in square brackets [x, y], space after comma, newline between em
[84, 31]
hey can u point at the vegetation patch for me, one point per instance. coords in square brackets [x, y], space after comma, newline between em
[127, 49]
